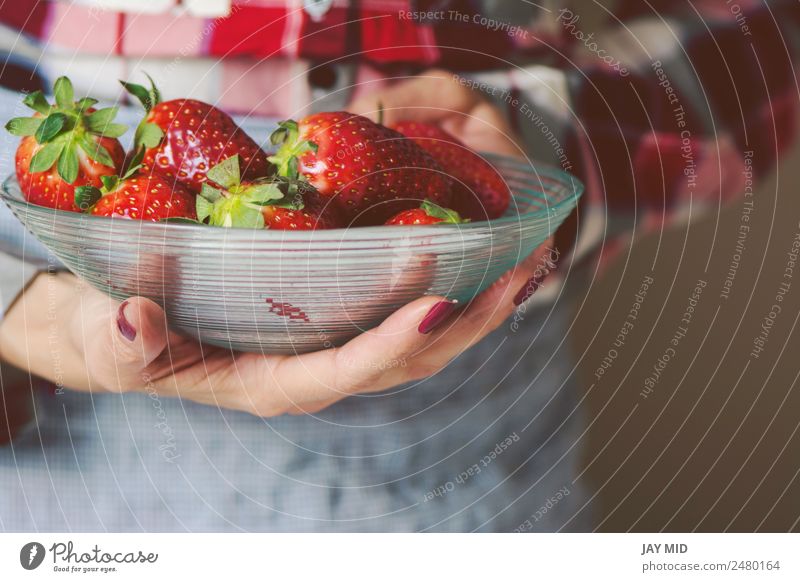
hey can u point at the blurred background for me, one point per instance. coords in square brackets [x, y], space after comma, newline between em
[715, 445]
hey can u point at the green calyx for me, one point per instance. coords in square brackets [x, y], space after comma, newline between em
[88, 196]
[291, 147]
[149, 98]
[148, 135]
[65, 128]
[446, 215]
[225, 201]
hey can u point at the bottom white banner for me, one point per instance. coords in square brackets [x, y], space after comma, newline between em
[406, 557]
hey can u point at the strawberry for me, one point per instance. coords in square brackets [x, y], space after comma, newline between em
[315, 214]
[369, 171]
[427, 213]
[65, 145]
[275, 202]
[138, 196]
[183, 138]
[479, 192]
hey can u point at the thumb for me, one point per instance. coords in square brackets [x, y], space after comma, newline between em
[127, 338]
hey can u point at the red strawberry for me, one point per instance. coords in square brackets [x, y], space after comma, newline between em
[427, 213]
[65, 145]
[183, 138]
[275, 202]
[369, 171]
[316, 214]
[479, 192]
[140, 197]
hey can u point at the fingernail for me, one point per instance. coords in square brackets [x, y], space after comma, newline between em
[530, 288]
[436, 316]
[124, 326]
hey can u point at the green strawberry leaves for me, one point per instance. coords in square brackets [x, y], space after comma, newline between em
[445, 214]
[87, 196]
[148, 135]
[244, 216]
[226, 173]
[141, 93]
[262, 194]
[149, 98]
[95, 151]
[37, 101]
[229, 212]
[83, 104]
[47, 155]
[101, 123]
[233, 204]
[22, 126]
[68, 163]
[203, 207]
[210, 193]
[64, 93]
[97, 120]
[287, 132]
[287, 136]
[110, 183]
[65, 128]
[50, 127]
[241, 209]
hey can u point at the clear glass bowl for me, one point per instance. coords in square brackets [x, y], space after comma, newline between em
[292, 292]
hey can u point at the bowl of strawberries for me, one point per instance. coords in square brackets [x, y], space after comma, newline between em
[293, 246]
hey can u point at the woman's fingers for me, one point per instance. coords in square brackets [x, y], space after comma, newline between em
[375, 360]
[415, 342]
[494, 306]
[485, 129]
[429, 97]
[122, 340]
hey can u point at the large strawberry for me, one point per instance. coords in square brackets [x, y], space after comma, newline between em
[428, 213]
[65, 145]
[479, 192]
[275, 202]
[183, 138]
[138, 196]
[369, 171]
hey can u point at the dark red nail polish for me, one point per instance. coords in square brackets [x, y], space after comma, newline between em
[124, 326]
[436, 316]
[529, 288]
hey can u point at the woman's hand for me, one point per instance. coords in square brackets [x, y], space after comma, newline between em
[64, 331]
[444, 99]
[75, 336]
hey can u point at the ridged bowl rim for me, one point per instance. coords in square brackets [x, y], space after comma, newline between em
[395, 232]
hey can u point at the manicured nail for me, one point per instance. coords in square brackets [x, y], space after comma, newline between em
[436, 316]
[124, 326]
[530, 288]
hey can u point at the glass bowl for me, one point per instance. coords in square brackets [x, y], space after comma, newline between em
[291, 292]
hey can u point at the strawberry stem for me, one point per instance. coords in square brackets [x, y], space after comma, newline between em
[445, 214]
[287, 136]
[148, 135]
